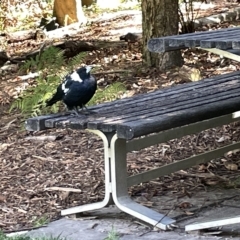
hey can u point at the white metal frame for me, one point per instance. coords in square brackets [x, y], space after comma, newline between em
[117, 181]
[223, 53]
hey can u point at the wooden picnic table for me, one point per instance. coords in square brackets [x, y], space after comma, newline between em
[144, 120]
[224, 42]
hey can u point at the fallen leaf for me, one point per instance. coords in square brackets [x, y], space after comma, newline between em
[185, 205]
[189, 213]
[231, 166]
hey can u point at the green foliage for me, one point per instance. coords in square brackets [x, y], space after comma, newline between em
[112, 235]
[51, 59]
[17, 237]
[40, 221]
[25, 237]
[110, 93]
[52, 67]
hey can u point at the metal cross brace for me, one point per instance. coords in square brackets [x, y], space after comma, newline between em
[223, 53]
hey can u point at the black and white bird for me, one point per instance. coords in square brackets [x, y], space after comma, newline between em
[76, 90]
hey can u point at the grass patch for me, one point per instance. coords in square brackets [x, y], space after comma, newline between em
[112, 235]
[24, 237]
[41, 221]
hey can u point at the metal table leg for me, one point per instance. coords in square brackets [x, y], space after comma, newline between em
[108, 196]
[116, 186]
[120, 193]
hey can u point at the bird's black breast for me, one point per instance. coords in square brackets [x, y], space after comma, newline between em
[80, 93]
[76, 90]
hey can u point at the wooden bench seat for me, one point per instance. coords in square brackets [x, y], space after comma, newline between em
[155, 111]
[144, 120]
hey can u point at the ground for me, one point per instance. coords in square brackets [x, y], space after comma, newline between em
[41, 177]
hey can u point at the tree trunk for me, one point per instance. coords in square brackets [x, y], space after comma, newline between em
[160, 18]
[67, 12]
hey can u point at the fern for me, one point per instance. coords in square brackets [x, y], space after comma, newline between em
[52, 68]
[112, 92]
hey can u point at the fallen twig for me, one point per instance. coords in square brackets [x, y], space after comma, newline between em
[116, 71]
[42, 138]
[26, 77]
[152, 228]
[6, 127]
[63, 189]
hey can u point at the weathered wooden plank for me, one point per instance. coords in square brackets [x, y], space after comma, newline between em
[78, 123]
[171, 109]
[161, 45]
[163, 94]
[236, 44]
[179, 118]
[195, 40]
[161, 107]
[75, 123]
[165, 101]
[221, 43]
[53, 122]
[186, 40]
[38, 123]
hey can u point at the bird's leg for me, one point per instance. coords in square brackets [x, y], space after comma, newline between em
[65, 108]
[75, 109]
[85, 108]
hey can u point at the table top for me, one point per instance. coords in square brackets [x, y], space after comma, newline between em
[155, 111]
[224, 39]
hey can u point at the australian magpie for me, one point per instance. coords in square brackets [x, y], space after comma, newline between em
[76, 90]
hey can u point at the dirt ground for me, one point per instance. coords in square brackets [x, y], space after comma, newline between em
[35, 174]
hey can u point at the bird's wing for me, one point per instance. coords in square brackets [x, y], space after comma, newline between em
[62, 89]
[58, 96]
[67, 83]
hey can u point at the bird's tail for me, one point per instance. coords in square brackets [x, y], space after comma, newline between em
[53, 100]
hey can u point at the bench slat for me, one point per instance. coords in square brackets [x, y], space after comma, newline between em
[170, 92]
[177, 119]
[162, 107]
[220, 43]
[157, 113]
[196, 40]
[38, 123]
[174, 42]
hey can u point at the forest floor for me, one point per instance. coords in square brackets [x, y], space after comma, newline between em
[35, 173]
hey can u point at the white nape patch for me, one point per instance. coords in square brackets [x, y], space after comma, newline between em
[88, 69]
[65, 90]
[75, 77]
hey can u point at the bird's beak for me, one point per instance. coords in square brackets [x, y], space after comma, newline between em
[88, 69]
